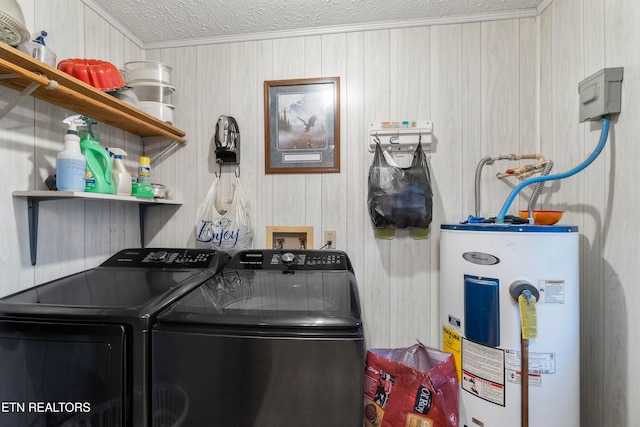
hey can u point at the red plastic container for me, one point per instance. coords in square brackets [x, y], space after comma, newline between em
[94, 72]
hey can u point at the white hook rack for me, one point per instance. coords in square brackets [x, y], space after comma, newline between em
[401, 136]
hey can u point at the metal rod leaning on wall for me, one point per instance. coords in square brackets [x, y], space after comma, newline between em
[524, 381]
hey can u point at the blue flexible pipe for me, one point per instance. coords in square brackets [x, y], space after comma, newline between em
[603, 140]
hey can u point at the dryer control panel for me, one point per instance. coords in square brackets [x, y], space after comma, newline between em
[166, 258]
[288, 260]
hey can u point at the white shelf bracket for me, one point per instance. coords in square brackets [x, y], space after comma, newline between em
[173, 145]
[17, 99]
[401, 136]
[24, 94]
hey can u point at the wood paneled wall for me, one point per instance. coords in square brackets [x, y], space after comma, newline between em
[490, 88]
[74, 235]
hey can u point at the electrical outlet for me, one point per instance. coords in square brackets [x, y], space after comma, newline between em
[330, 236]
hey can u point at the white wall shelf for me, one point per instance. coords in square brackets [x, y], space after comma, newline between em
[35, 197]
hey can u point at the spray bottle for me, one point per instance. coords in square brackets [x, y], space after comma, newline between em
[121, 177]
[98, 177]
[71, 165]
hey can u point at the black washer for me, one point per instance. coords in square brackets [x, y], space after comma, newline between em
[275, 339]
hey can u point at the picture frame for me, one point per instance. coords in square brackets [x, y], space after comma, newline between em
[302, 125]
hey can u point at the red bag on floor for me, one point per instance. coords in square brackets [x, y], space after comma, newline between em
[415, 386]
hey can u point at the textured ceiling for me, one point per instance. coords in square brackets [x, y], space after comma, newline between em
[158, 22]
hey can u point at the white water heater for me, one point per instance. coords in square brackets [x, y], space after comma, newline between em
[481, 267]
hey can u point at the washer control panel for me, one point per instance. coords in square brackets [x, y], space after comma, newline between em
[165, 258]
[290, 260]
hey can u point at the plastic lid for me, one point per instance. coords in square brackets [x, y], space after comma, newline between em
[145, 160]
[263, 300]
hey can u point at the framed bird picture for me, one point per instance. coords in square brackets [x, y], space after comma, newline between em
[302, 125]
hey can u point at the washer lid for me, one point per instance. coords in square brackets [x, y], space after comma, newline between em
[100, 288]
[132, 278]
[307, 299]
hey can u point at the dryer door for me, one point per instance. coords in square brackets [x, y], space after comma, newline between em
[53, 373]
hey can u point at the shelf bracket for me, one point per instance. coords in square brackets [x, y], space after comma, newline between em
[173, 145]
[18, 98]
[25, 93]
[170, 148]
[33, 210]
[142, 209]
[141, 216]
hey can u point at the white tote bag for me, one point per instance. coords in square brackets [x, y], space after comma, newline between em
[225, 228]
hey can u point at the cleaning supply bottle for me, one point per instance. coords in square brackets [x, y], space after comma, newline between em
[121, 177]
[144, 170]
[71, 165]
[98, 176]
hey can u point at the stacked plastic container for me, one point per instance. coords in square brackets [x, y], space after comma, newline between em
[151, 82]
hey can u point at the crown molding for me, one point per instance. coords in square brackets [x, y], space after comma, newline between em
[315, 31]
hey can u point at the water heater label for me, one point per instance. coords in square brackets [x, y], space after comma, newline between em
[483, 371]
[551, 291]
[452, 343]
[539, 363]
[515, 377]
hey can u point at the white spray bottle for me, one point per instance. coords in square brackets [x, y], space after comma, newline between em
[71, 165]
[119, 173]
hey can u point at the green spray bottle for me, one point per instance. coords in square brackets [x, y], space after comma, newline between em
[98, 177]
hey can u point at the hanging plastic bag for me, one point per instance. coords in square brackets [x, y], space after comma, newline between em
[410, 387]
[400, 197]
[229, 229]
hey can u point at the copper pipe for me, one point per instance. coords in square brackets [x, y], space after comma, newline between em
[524, 381]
